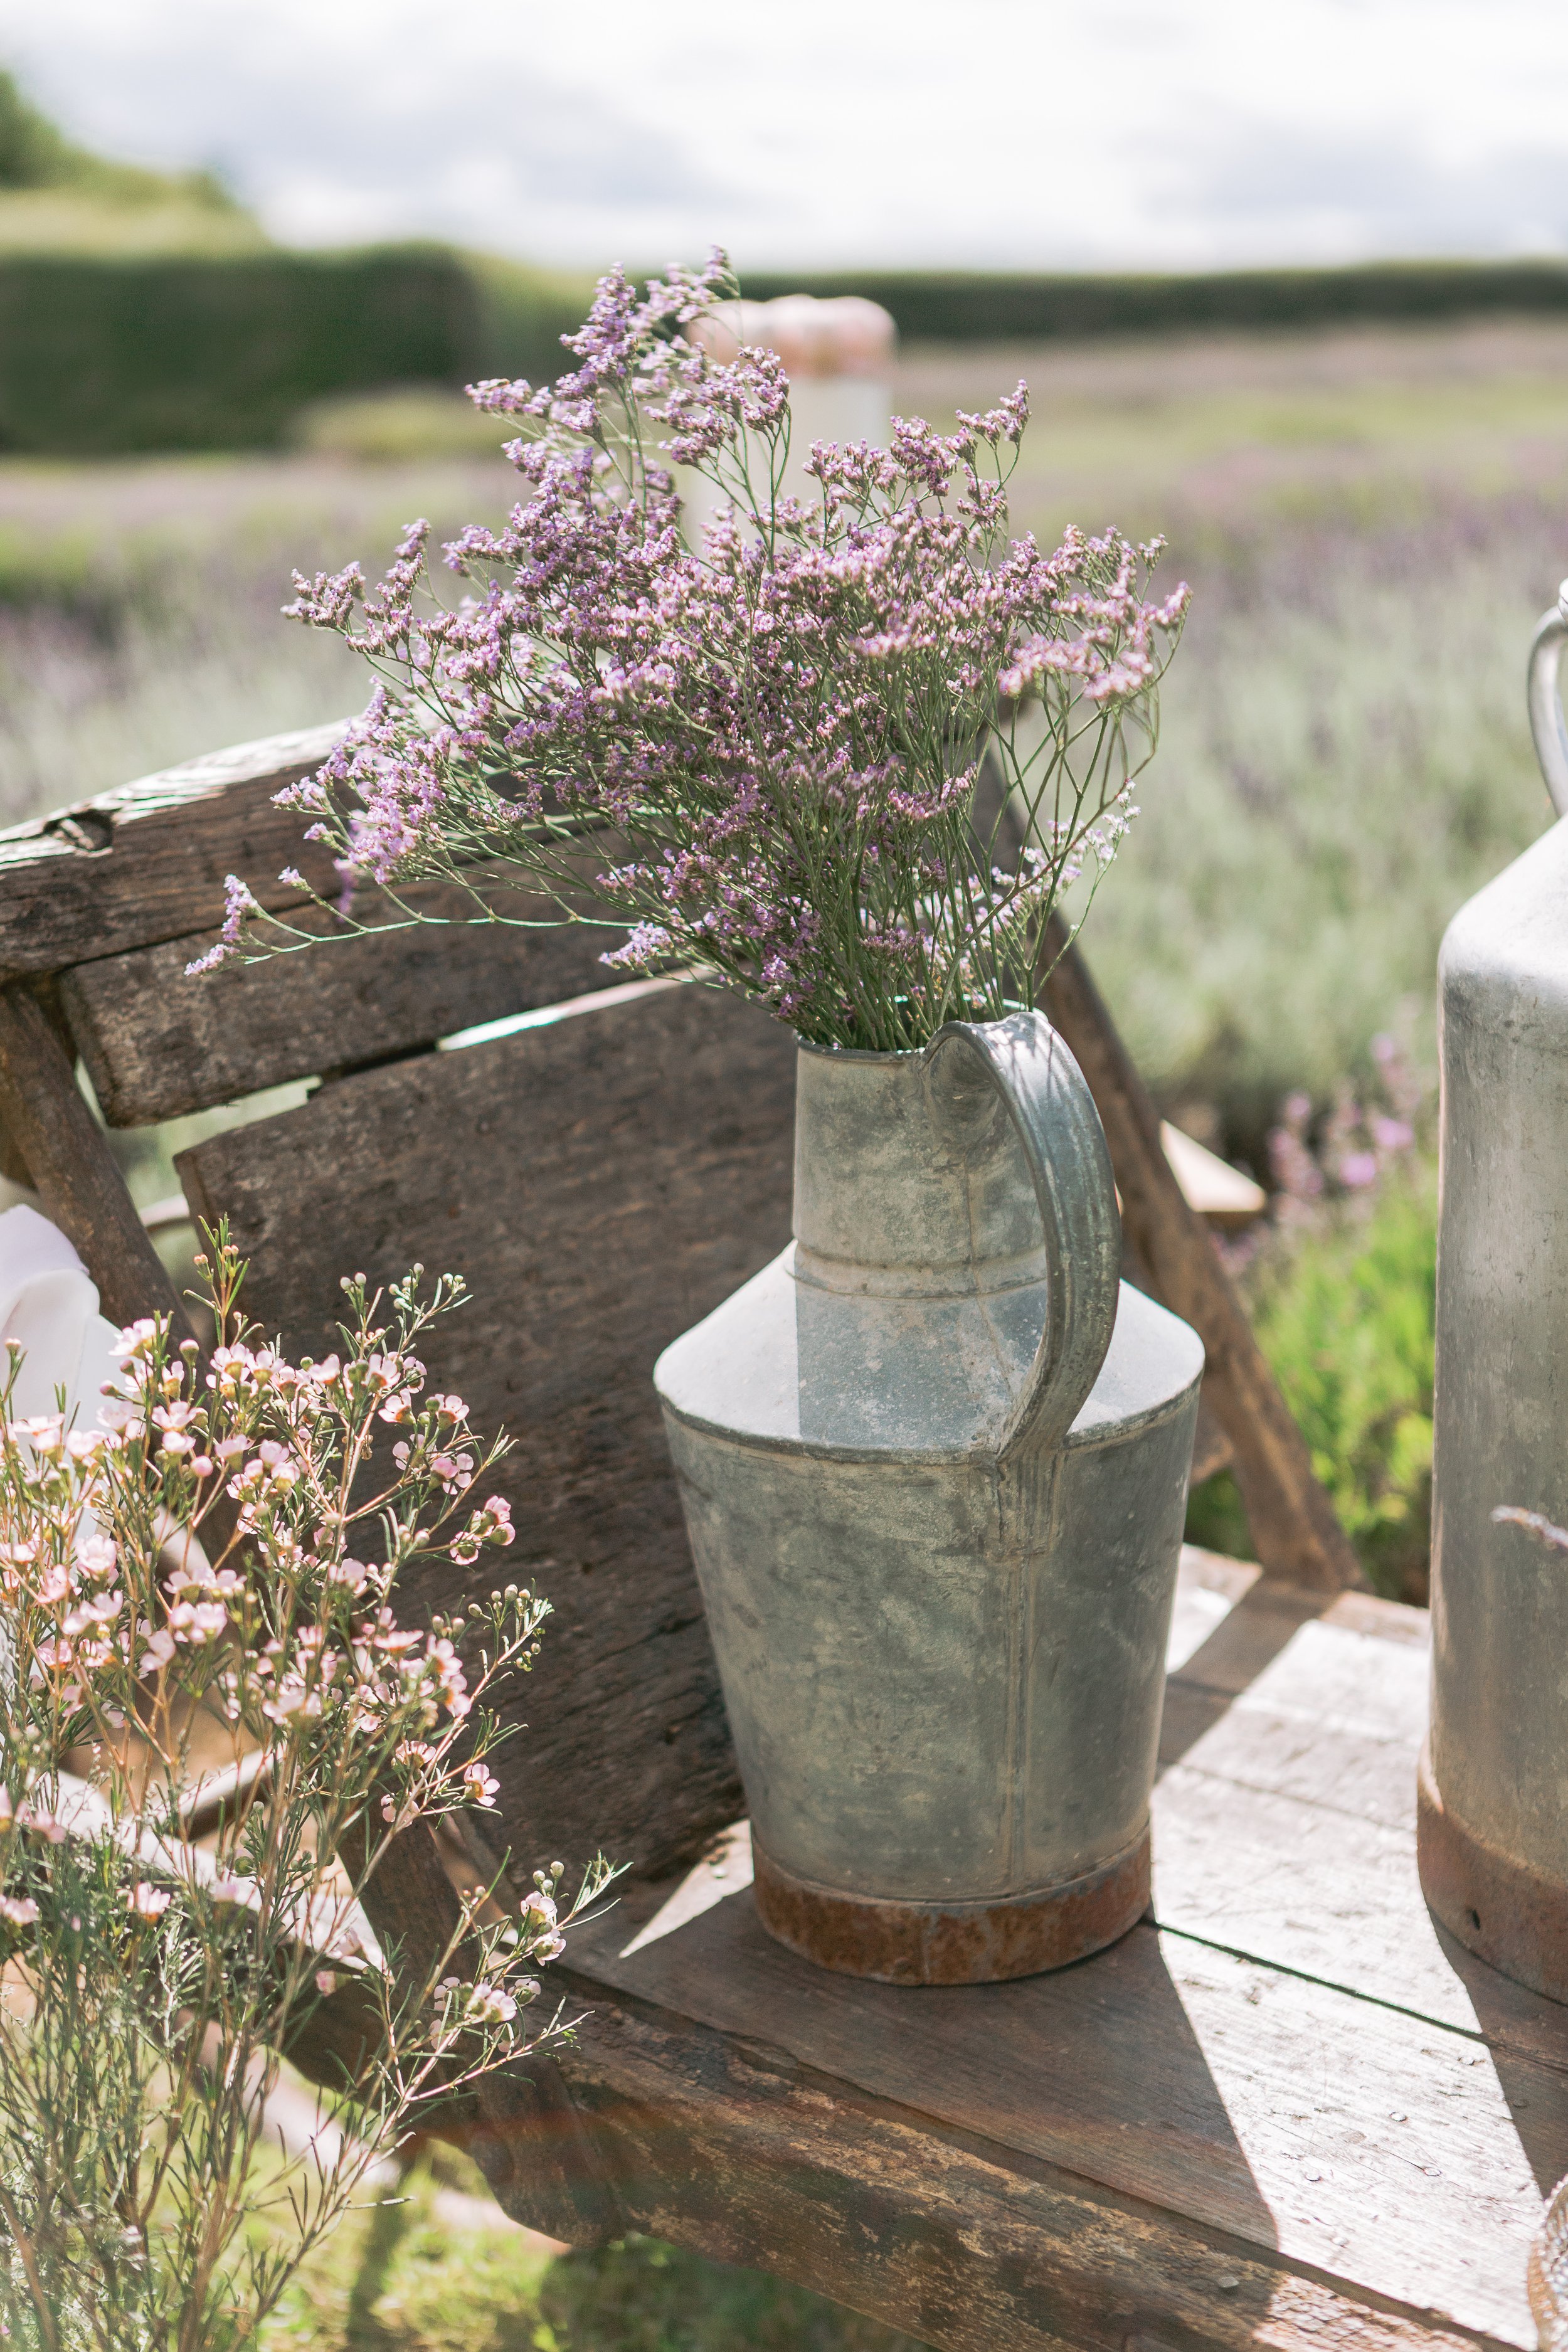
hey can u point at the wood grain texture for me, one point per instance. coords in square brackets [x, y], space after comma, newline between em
[602, 1181]
[1258, 2072]
[735, 2147]
[148, 861]
[1294, 1531]
[159, 1044]
[1315, 1870]
[43, 1110]
[1240, 2097]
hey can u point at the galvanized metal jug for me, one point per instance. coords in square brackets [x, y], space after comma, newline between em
[1493, 1796]
[935, 1461]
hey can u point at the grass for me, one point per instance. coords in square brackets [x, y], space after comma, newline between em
[139, 619]
[444, 2272]
[1343, 1311]
[1372, 522]
[74, 220]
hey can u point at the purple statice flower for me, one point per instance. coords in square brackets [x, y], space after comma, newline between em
[784, 730]
[239, 908]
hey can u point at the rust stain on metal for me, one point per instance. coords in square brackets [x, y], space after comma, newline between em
[962, 1943]
[1510, 1916]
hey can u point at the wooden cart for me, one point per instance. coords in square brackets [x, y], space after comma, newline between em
[1284, 2111]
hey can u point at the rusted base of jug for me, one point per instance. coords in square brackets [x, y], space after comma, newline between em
[1513, 1917]
[954, 1942]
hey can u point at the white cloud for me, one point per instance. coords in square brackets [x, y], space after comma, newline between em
[1012, 132]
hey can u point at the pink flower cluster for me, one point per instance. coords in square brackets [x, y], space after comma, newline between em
[784, 730]
[1366, 1137]
[97, 1605]
[225, 1549]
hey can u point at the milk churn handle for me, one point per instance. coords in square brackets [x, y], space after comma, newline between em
[1544, 688]
[1047, 1099]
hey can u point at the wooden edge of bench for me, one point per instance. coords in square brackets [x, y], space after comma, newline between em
[69, 831]
[740, 2152]
[147, 861]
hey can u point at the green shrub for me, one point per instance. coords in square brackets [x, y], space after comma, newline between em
[522, 314]
[101, 353]
[181, 352]
[146, 346]
[1344, 1314]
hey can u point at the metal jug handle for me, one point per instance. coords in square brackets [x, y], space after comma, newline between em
[1048, 1099]
[1545, 696]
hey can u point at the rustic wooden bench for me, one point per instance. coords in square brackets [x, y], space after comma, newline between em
[1283, 2111]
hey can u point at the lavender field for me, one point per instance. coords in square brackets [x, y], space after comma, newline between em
[1372, 522]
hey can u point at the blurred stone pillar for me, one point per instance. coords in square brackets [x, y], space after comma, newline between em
[838, 355]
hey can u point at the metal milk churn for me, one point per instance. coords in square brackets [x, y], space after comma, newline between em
[1493, 1797]
[935, 1461]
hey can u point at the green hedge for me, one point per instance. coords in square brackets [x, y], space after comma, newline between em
[101, 354]
[184, 351]
[935, 306]
[522, 314]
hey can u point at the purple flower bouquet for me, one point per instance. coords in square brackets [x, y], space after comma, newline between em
[781, 734]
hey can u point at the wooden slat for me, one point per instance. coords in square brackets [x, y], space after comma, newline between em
[1211, 2086]
[1294, 1531]
[43, 1110]
[148, 861]
[1291, 2090]
[158, 1043]
[1244, 1889]
[734, 2147]
[1314, 1870]
[602, 1181]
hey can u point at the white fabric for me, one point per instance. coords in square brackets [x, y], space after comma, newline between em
[49, 1303]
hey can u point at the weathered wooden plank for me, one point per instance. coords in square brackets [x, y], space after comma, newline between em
[602, 1181]
[1335, 1896]
[1287, 1831]
[1330, 2086]
[1294, 1531]
[147, 862]
[1336, 1718]
[1345, 2136]
[1243, 1641]
[739, 2150]
[71, 1167]
[1209, 1586]
[159, 1043]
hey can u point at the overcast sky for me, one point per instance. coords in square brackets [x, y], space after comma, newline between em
[1038, 133]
